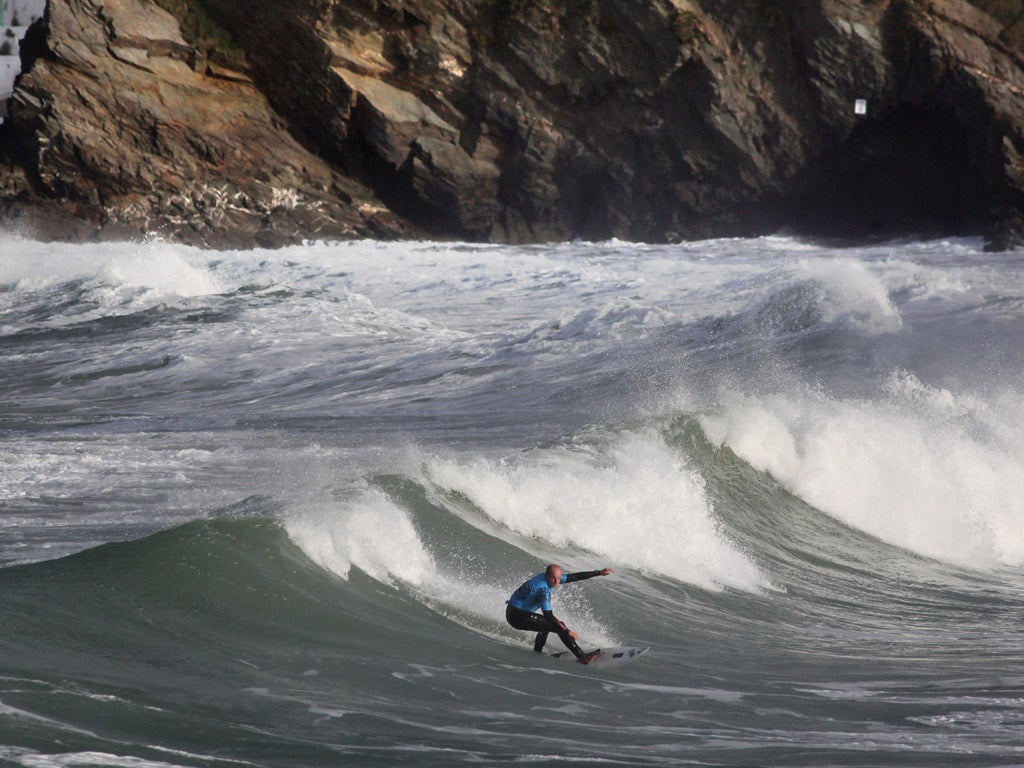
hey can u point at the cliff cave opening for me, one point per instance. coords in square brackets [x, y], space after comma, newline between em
[909, 171]
[584, 197]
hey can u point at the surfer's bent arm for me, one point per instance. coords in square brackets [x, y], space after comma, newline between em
[550, 616]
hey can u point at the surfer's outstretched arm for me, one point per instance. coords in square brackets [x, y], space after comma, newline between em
[581, 575]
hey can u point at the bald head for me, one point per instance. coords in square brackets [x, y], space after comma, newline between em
[553, 575]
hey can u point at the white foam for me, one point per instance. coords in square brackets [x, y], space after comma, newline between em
[634, 503]
[373, 534]
[924, 468]
[853, 294]
[369, 532]
[32, 759]
[117, 270]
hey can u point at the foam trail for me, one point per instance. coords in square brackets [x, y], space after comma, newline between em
[635, 502]
[922, 467]
[32, 759]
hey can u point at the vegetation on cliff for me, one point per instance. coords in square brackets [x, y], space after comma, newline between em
[201, 30]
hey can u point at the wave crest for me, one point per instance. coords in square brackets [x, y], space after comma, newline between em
[635, 502]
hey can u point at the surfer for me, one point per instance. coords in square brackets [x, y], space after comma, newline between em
[534, 594]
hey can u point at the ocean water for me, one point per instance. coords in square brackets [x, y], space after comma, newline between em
[263, 508]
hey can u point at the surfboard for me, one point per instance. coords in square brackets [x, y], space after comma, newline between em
[607, 657]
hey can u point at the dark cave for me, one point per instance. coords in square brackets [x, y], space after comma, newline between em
[910, 171]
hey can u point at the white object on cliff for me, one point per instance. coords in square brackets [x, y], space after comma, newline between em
[860, 107]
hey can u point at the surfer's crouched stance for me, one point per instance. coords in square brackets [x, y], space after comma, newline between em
[536, 594]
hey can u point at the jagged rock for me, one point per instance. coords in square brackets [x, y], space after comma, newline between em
[112, 121]
[526, 120]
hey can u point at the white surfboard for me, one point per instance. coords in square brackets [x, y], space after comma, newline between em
[607, 657]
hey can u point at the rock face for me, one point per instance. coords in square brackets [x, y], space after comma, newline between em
[520, 120]
[118, 129]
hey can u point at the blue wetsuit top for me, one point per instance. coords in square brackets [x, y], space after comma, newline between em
[536, 593]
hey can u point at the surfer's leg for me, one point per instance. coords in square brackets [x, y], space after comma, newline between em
[565, 637]
[534, 622]
[531, 622]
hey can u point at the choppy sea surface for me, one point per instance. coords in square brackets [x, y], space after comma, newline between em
[264, 508]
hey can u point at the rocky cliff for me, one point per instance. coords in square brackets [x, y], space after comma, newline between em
[516, 120]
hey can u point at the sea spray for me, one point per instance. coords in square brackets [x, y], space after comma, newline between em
[916, 466]
[218, 546]
[368, 531]
[631, 500]
[851, 294]
[159, 269]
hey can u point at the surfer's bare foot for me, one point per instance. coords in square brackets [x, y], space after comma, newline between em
[588, 657]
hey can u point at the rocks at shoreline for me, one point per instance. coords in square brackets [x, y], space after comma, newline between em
[517, 121]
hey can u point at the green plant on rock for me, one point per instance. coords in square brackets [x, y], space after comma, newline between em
[201, 30]
[688, 28]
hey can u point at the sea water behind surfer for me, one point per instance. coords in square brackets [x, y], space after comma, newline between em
[535, 594]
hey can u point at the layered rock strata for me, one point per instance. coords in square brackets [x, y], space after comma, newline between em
[518, 120]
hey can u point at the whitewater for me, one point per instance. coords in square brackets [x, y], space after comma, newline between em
[263, 508]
